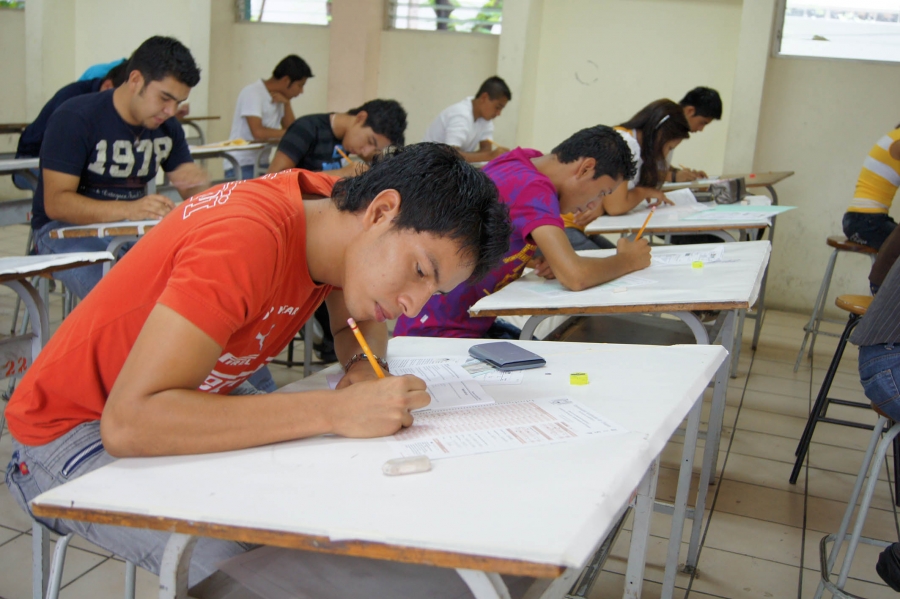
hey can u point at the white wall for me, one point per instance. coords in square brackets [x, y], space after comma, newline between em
[12, 72]
[602, 60]
[428, 71]
[820, 118]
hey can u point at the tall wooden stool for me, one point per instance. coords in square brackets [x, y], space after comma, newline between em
[856, 305]
[840, 244]
[874, 458]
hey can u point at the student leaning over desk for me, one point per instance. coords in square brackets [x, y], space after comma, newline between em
[579, 171]
[145, 364]
[651, 135]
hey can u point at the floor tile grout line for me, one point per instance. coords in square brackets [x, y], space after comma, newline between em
[10, 540]
[91, 569]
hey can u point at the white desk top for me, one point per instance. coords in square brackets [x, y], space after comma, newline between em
[736, 280]
[536, 505]
[667, 219]
[14, 165]
[26, 266]
[211, 150]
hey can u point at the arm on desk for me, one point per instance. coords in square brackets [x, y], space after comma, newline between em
[154, 408]
[189, 179]
[485, 152]
[261, 133]
[62, 202]
[576, 272]
[622, 200]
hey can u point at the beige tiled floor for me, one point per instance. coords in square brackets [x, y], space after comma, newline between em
[763, 534]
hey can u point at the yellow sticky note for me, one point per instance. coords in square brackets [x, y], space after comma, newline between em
[578, 378]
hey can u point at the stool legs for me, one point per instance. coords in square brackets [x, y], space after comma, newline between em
[821, 405]
[870, 466]
[812, 327]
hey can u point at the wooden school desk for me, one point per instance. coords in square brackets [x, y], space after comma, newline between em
[12, 128]
[530, 511]
[767, 180]
[729, 286]
[17, 353]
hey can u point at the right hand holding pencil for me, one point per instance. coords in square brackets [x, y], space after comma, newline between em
[376, 408]
[636, 253]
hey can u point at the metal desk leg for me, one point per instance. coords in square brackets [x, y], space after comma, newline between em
[640, 533]
[37, 314]
[114, 246]
[238, 175]
[713, 435]
[530, 325]
[176, 563]
[40, 565]
[685, 473]
[308, 330]
[484, 585]
[738, 338]
[761, 302]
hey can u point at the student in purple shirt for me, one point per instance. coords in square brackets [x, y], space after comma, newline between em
[536, 188]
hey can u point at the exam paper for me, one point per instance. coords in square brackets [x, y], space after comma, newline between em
[554, 289]
[715, 254]
[486, 374]
[682, 197]
[498, 427]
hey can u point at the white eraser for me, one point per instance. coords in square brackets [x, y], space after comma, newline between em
[398, 466]
[620, 289]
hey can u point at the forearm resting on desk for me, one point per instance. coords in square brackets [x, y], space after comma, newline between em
[63, 203]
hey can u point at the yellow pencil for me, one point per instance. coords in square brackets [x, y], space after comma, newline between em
[365, 346]
[644, 226]
[341, 152]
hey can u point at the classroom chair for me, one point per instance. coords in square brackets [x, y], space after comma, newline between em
[856, 305]
[840, 244]
[874, 458]
[46, 574]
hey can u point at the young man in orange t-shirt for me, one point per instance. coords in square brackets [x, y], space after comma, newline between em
[149, 363]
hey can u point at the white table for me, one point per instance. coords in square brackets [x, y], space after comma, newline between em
[729, 286]
[554, 516]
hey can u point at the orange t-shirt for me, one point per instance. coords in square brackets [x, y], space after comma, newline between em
[232, 260]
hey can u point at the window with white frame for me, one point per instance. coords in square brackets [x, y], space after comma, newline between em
[309, 12]
[470, 16]
[849, 29]
[14, 4]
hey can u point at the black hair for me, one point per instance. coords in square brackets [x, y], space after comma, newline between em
[294, 67]
[706, 102]
[160, 57]
[385, 117]
[605, 146]
[440, 194]
[496, 88]
[118, 74]
[659, 123]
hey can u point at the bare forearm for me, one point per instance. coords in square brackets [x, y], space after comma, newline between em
[346, 345]
[74, 208]
[480, 156]
[590, 272]
[288, 117]
[267, 134]
[181, 421]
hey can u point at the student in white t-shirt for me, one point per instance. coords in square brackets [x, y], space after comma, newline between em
[467, 124]
[702, 105]
[263, 111]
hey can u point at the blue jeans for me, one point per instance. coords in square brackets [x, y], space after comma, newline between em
[581, 241]
[867, 229]
[23, 182]
[33, 470]
[77, 280]
[879, 371]
[247, 171]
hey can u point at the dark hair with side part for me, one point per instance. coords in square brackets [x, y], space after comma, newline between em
[659, 123]
[495, 88]
[118, 74]
[385, 117]
[160, 57]
[294, 67]
[706, 102]
[441, 194]
[605, 146]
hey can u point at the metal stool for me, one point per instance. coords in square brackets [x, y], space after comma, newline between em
[856, 305]
[46, 575]
[827, 562]
[840, 244]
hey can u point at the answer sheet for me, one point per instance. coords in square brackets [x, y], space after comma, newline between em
[714, 254]
[466, 431]
[553, 288]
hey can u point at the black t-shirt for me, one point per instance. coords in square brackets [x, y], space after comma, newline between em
[87, 138]
[311, 144]
[31, 138]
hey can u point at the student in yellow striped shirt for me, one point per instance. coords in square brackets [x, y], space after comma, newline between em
[866, 220]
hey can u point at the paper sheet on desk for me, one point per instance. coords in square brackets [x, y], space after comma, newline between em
[682, 197]
[740, 212]
[715, 254]
[466, 431]
[554, 289]
[449, 385]
[486, 374]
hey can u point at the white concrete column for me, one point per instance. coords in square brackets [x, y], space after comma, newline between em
[49, 50]
[354, 52]
[517, 65]
[754, 47]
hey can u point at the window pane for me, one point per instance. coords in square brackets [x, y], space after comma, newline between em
[856, 29]
[471, 16]
[310, 12]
